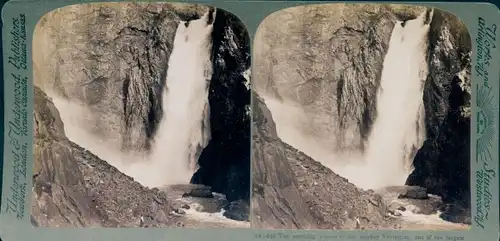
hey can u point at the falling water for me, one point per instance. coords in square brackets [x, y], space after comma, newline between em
[399, 130]
[184, 129]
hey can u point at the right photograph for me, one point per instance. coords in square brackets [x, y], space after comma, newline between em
[361, 119]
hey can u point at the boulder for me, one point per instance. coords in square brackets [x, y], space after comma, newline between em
[238, 210]
[415, 193]
[199, 191]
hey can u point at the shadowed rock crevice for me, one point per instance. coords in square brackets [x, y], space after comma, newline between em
[225, 162]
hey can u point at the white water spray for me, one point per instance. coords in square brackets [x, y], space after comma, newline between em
[398, 131]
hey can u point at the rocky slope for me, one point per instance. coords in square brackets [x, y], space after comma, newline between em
[113, 59]
[328, 60]
[74, 188]
[292, 191]
[276, 200]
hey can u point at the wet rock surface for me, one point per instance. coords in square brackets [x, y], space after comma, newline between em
[238, 210]
[199, 191]
[456, 213]
[195, 197]
[412, 199]
[413, 192]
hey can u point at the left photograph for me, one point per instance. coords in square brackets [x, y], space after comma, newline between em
[141, 117]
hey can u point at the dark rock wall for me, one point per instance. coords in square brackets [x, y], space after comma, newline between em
[225, 162]
[443, 163]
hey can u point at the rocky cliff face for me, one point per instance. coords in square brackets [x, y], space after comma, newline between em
[292, 191]
[113, 58]
[225, 162]
[334, 60]
[74, 188]
[328, 61]
[443, 163]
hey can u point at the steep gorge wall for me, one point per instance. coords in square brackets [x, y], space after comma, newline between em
[112, 59]
[328, 60]
[276, 198]
[443, 163]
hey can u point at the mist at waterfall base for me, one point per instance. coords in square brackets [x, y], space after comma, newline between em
[184, 129]
[398, 130]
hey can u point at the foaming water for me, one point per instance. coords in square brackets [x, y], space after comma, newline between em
[218, 218]
[430, 222]
[184, 129]
[398, 131]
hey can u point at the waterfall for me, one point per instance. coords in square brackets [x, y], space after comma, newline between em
[184, 129]
[399, 129]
